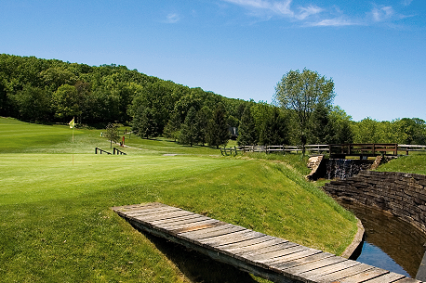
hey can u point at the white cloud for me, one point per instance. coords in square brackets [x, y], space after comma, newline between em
[172, 18]
[282, 7]
[406, 2]
[336, 22]
[308, 11]
[383, 13]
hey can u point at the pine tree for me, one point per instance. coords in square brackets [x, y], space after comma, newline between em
[145, 123]
[217, 131]
[188, 133]
[247, 130]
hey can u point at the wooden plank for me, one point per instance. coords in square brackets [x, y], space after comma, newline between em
[178, 219]
[407, 280]
[314, 265]
[205, 231]
[173, 223]
[302, 261]
[234, 238]
[160, 216]
[389, 277]
[244, 244]
[329, 269]
[291, 257]
[361, 277]
[351, 271]
[146, 211]
[263, 258]
[250, 235]
[197, 226]
[224, 238]
[257, 247]
[200, 236]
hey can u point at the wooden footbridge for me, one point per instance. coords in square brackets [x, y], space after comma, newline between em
[269, 257]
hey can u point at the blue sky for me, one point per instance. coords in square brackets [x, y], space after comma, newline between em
[375, 51]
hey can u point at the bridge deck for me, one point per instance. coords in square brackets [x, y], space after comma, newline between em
[269, 257]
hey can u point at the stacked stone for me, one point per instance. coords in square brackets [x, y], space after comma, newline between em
[403, 195]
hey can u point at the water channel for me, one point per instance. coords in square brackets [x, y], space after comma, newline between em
[390, 243]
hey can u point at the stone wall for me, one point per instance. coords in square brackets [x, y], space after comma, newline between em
[403, 195]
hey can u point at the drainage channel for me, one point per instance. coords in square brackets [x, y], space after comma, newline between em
[390, 243]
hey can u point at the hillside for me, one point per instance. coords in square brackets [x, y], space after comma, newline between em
[56, 222]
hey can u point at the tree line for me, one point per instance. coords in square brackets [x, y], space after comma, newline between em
[43, 90]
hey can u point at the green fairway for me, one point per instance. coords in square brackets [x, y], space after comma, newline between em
[414, 163]
[56, 224]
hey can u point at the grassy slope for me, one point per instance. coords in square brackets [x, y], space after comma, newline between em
[414, 163]
[55, 222]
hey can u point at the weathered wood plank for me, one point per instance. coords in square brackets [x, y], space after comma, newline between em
[210, 234]
[245, 243]
[314, 265]
[302, 261]
[329, 269]
[194, 234]
[289, 248]
[232, 238]
[148, 211]
[174, 223]
[361, 277]
[159, 216]
[196, 226]
[407, 280]
[257, 247]
[291, 257]
[351, 271]
[389, 277]
[249, 235]
[178, 219]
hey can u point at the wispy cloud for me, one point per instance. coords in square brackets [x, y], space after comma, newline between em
[313, 15]
[406, 2]
[172, 18]
[382, 13]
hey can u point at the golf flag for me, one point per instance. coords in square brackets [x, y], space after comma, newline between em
[72, 123]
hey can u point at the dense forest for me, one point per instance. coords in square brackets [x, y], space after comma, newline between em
[52, 91]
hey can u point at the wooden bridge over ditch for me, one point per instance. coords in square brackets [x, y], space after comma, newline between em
[269, 257]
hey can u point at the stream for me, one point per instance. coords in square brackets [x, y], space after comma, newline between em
[390, 243]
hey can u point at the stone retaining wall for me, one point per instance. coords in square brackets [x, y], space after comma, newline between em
[403, 195]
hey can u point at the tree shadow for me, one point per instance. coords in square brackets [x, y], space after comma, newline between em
[198, 267]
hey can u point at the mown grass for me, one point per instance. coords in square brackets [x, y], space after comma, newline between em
[56, 224]
[414, 163]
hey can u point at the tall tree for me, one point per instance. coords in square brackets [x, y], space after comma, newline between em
[247, 131]
[188, 133]
[145, 122]
[66, 102]
[301, 92]
[218, 132]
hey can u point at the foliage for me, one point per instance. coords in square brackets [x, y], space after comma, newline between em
[189, 133]
[145, 122]
[302, 92]
[217, 130]
[112, 133]
[247, 131]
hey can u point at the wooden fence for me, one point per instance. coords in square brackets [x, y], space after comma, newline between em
[115, 151]
[332, 149]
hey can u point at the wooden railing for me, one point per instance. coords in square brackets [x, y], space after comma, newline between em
[333, 149]
[118, 152]
[114, 151]
[97, 149]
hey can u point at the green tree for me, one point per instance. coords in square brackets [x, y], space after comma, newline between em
[202, 123]
[188, 133]
[145, 122]
[112, 133]
[322, 129]
[66, 102]
[247, 131]
[217, 131]
[171, 130]
[301, 93]
[33, 103]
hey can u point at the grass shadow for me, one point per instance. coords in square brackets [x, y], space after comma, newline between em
[198, 267]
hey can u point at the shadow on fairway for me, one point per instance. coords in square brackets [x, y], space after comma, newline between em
[197, 267]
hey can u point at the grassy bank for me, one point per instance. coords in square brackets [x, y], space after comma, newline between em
[414, 163]
[56, 223]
